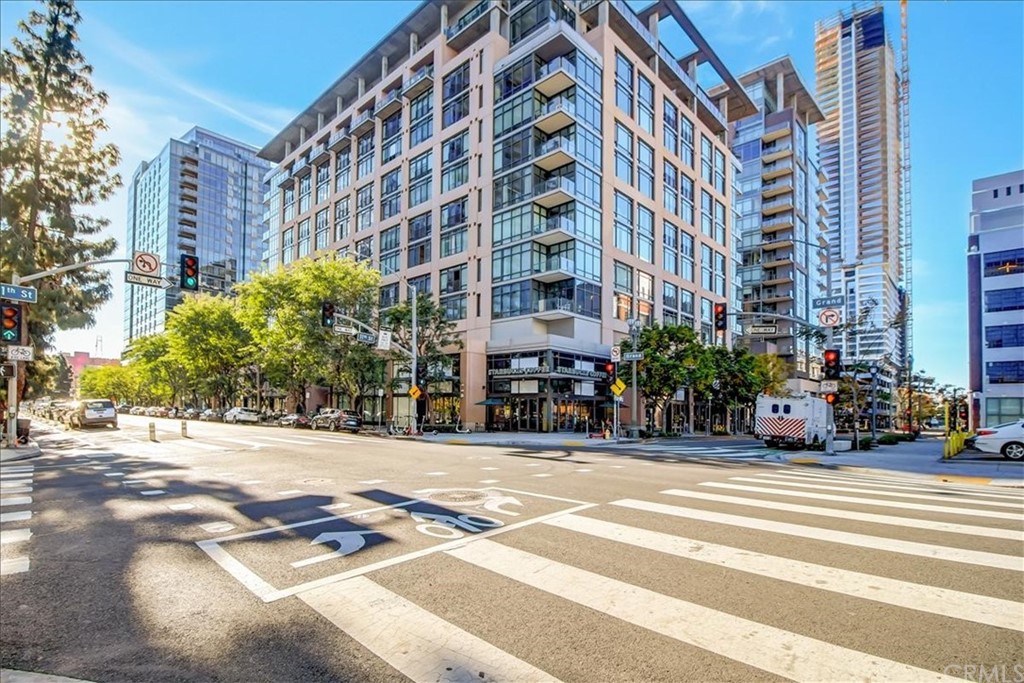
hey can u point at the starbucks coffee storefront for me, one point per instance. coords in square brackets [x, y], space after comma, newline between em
[547, 391]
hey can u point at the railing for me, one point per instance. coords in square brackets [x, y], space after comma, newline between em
[554, 144]
[388, 99]
[299, 165]
[777, 202]
[424, 72]
[774, 147]
[787, 184]
[556, 304]
[703, 98]
[467, 19]
[777, 166]
[559, 223]
[556, 64]
[776, 126]
[786, 219]
[559, 104]
[555, 263]
[587, 4]
[335, 137]
[317, 151]
[553, 184]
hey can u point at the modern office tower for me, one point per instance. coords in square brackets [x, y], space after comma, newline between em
[995, 299]
[202, 195]
[859, 143]
[781, 221]
[546, 169]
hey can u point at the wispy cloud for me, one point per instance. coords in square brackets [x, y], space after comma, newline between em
[758, 23]
[264, 118]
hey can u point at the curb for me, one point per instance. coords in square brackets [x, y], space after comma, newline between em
[947, 478]
[31, 451]
[14, 676]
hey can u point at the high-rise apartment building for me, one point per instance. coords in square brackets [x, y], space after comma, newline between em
[546, 169]
[995, 299]
[781, 219]
[859, 143]
[202, 195]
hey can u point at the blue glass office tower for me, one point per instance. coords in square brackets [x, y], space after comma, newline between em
[202, 195]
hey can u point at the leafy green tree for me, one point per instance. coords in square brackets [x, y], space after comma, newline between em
[119, 383]
[281, 312]
[357, 371]
[207, 340]
[673, 358]
[771, 373]
[62, 385]
[161, 379]
[52, 166]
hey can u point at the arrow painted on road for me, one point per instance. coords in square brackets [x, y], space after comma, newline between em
[494, 505]
[348, 543]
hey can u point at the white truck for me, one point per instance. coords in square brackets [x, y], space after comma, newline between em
[793, 421]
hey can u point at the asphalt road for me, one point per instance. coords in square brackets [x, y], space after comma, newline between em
[257, 554]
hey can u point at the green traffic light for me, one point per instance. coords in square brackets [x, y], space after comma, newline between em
[191, 282]
[9, 335]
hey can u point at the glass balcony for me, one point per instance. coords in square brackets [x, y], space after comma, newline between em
[776, 187]
[389, 104]
[555, 115]
[777, 223]
[287, 179]
[784, 203]
[319, 154]
[459, 34]
[555, 76]
[778, 243]
[363, 122]
[554, 191]
[554, 268]
[776, 170]
[554, 229]
[339, 140]
[556, 308]
[776, 132]
[301, 168]
[776, 151]
[419, 82]
[555, 153]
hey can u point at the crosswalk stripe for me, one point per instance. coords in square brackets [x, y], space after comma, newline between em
[14, 470]
[768, 648]
[274, 438]
[864, 501]
[910, 522]
[15, 566]
[13, 484]
[325, 439]
[938, 552]
[941, 601]
[419, 644]
[19, 516]
[896, 487]
[204, 446]
[15, 500]
[17, 489]
[15, 536]
[988, 490]
[897, 494]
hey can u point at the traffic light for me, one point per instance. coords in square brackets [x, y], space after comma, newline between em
[833, 365]
[961, 411]
[189, 272]
[720, 322]
[609, 369]
[421, 376]
[831, 399]
[10, 323]
[327, 314]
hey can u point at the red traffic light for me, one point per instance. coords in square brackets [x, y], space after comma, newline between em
[830, 399]
[10, 323]
[609, 368]
[831, 356]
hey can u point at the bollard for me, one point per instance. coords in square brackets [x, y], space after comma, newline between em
[184, 429]
[152, 431]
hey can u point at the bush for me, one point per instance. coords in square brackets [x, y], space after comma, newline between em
[865, 443]
[889, 439]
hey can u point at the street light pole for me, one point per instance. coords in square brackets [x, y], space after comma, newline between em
[415, 357]
[634, 334]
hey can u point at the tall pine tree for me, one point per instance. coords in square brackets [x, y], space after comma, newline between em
[52, 167]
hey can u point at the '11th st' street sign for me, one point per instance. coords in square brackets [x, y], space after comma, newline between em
[16, 293]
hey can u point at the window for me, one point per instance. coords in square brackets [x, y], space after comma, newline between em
[421, 118]
[670, 248]
[623, 153]
[670, 127]
[454, 162]
[1004, 336]
[1002, 410]
[364, 207]
[623, 83]
[455, 92]
[390, 248]
[391, 194]
[421, 285]
[995, 193]
[419, 179]
[364, 249]
[343, 170]
[342, 219]
[289, 204]
[686, 198]
[686, 141]
[391, 134]
[671, 192]
[720, 222]
[719, 274]
[1011, 299]
[419, 239]
[645, 233]
[686, 256]
[645, 104]
[323, 228]
[305, 190]
[645, 169]
[454, 280]
[454, 307]
[706, 207]
[705, 160]
[388, 295]
[1004, 262]
[288, 246]
[364, 158]
[623, 223]
[1005, 372]
[706, 266]
[720, 171]
[669, 304]
[623, 291]
[323, 183]
[304, 238]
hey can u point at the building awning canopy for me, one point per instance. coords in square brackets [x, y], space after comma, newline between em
[491, 402]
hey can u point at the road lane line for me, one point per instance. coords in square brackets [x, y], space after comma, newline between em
[986, 490]
[15, 500]
[203, 446]
[911, 522]
[876, 492]
[416, 642]
[944, 602]
[287, 441]
[768, 648]
[937, 552]
[325, 439]
[289, 492]
[942, 509]
[924, 487]
[15, 536]
[242, 442]
[153, 492]
[15, 566]
[19, 516]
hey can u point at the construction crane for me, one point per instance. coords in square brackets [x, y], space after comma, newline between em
[907, 230]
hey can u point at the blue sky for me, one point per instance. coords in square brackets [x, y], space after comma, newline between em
[245, 69]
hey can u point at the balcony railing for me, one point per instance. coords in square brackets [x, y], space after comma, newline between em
[552, 184]
[559, 104]
[555, 144]
[554, 264]
[775, 203]
[338, 136]
[387, 100]
[556, 304]
[468, 18]
[785, 220]
[418, 77]
[556, 64]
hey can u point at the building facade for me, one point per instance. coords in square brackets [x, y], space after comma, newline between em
[781, 219]
[547, 170]
[202, 195]
[995, 299]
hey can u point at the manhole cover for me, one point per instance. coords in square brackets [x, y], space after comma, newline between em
[457, 496]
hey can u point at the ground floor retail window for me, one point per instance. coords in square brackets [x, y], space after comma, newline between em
[1002, 410]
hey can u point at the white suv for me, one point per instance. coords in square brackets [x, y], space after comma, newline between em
[242, 415]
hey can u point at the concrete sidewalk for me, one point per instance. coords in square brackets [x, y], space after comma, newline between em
[528, 439]
[921, 458]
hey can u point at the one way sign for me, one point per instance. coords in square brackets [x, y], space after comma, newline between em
[7, 370]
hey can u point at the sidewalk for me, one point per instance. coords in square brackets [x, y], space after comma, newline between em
[922, 458]
[534, 440]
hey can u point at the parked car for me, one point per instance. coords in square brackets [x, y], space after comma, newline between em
[137, 410]
[211, 415]
[91, 411]
[329, 418]
[1006, 439]
[294, 420]
[242, 415]
[351, 421]
[190, 413]
[123, 408]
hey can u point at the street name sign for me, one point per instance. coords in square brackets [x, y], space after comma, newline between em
[344, 329]
[7, 370]
[763, 329]
[146, 263]
[829, 317]
[366, 337]
[633, 355]
[25, 353]
[616, 354]
[829, 386]
[133, 278]
[17, 293]
[829, 301]
[415, 392]
[384, 340]
[618, 387]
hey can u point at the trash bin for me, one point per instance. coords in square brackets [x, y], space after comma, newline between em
[23, 427]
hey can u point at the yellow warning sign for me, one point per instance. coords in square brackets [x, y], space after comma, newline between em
[415, 392]
[618, 387]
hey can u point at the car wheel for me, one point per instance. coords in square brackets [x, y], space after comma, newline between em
[354, 431]
[1013, 451]
[313, 426]
[333, 426]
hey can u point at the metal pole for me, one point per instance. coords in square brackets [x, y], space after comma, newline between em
[874, 403]
[634, 431]
[415, 358]
[12, 409]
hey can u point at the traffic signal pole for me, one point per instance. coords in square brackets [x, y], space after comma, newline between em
[830, 413]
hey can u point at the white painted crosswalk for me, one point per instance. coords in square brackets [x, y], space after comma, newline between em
[672, 526]
[15, 480]
[698, 451]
